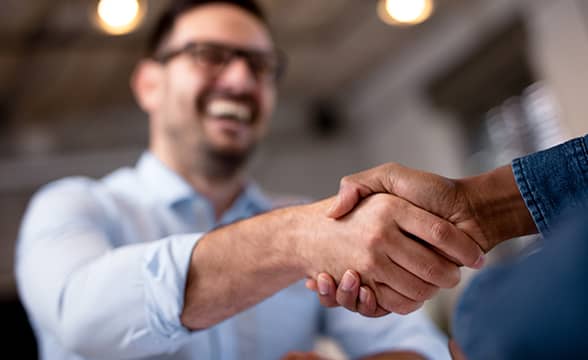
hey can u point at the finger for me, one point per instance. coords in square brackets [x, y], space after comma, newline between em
[421, 266]
[392, 301]
[355, 187]
[367, 305]
[347, 197]
[311, 285]
[406, 282]
[439, 233]
[348, 290]
[455, 351]
[327, 290]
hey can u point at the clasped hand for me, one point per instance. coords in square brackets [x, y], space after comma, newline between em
[428, 230]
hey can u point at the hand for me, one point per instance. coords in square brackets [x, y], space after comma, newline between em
[278, 248]
[444, 197]
[439, 195]
[378, 240]
[488, 208]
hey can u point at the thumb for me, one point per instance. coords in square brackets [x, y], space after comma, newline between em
[355, 187]
[345, 200]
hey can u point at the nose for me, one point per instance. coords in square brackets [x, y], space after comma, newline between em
[237, 76]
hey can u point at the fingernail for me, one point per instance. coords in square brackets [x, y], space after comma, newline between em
[479, 263]
[348, 281]
[323, 285]
[363, 295]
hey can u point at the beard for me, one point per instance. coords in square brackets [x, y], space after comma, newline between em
[221, 164]
[216, 163]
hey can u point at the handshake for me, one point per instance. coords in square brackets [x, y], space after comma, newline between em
[402, 235]
[389, 240]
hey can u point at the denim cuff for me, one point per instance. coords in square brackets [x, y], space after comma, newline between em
[553, 180]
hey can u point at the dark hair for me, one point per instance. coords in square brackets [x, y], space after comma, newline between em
[167, 20]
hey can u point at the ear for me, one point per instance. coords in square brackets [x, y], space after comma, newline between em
[147, 85]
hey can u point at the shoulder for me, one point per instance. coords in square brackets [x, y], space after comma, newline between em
[70, 187]
[68, 196]
[85, 194]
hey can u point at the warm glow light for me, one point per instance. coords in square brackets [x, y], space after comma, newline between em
[405, 12]
[119, 17]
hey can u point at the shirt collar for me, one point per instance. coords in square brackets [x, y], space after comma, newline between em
[162, 183]
[168, 187]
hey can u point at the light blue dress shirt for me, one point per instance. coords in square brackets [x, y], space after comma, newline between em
[101, 267]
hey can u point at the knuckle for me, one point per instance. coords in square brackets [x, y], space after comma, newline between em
[447, 276]
[424, 292]
[440, 232]
[375, 237]
[442, 275]
[434, 274]
[368, 265]
[346, 181]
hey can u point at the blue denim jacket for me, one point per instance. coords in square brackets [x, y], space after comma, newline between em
[535, 307]
[553, 181]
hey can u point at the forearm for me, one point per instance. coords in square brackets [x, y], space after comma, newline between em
[237, 266]
[531, 194]
[498, 206]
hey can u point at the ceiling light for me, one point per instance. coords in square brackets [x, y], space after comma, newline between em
[405, 12]
[117, 17]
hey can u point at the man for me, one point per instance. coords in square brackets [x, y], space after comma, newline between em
[532, 307]
[142, 263]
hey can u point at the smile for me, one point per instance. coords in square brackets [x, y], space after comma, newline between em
[230, 110]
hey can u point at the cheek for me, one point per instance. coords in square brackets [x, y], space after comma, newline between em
[268, 102]
[184, 89]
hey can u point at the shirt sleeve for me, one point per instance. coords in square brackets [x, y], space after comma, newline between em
[361, 336]
[553, 181]
[97, 300]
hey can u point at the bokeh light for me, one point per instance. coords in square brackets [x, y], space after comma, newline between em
[405, 12]
[119, 17]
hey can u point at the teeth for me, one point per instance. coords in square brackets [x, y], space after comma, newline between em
[230, 109]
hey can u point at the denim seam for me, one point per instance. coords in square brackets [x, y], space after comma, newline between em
[528, 195]
[582, 154]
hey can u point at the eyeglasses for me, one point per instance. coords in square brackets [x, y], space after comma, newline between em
[265, 65]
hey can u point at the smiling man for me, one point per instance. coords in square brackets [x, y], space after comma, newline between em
[144, 264]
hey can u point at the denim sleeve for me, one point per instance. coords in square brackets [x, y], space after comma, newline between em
[553, 180]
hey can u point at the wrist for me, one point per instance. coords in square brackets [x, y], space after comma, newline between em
[306, 224]
[497, 206]
[292, 223]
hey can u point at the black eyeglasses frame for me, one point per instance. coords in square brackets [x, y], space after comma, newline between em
[249, 55]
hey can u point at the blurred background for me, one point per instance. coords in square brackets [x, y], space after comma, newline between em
[450, 86]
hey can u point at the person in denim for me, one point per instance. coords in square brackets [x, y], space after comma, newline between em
[532, 307]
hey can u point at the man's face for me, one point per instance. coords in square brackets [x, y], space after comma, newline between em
[224, 112]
